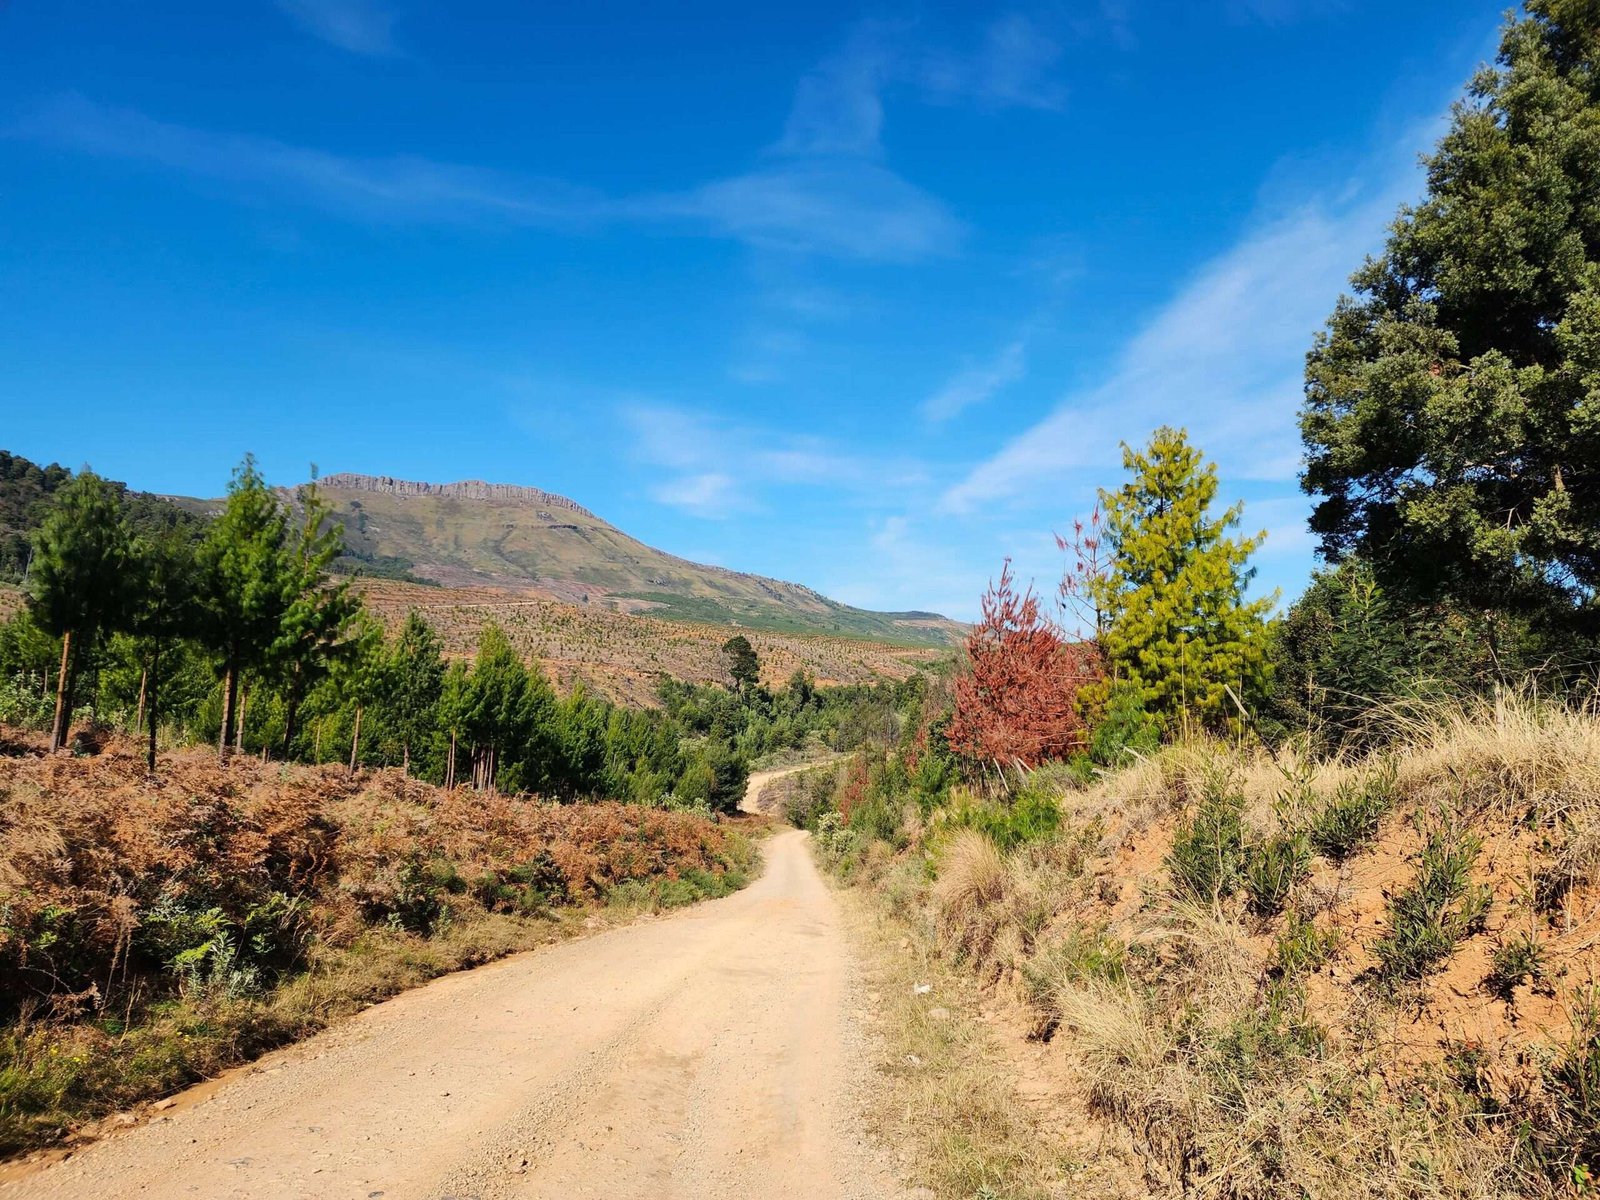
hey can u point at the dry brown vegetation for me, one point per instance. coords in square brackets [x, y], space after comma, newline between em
[156, 928]
[1390, 993]
[621, 655]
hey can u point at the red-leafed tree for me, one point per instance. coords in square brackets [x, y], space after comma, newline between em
[1017, 702]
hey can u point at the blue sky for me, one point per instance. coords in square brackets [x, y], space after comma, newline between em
[864, 297]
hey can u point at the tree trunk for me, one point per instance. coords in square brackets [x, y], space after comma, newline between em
[63, 718]
[405, 760]
[138, 713]
[450, 767]
[153, 676]
[355, 741]
[244, 708]
[230, 697]
[290, 717]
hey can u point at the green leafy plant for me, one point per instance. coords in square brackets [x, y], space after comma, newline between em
[1350, 819]
[1303, 947]
[1441, 907]
[1517, 959]
[1271, 870]
[1208, 849]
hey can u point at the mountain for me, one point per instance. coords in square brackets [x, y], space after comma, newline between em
[475, 534]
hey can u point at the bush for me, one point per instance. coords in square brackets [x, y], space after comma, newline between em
[1351, 818]
[1303, 947]
[1208, 849]
[1033, 814]
[1272, 868]
[1440, 908]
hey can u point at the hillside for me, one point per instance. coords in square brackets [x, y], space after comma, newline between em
[621, 656]
[478, 535]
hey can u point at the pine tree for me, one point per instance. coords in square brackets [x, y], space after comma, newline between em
[1177, 624]
[163, 612]
[412, 684]
[744, 667]
[244, 594]
[314, 630]
[1452, 411]
[77, 580]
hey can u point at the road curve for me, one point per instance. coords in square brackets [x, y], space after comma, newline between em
[710, 1053]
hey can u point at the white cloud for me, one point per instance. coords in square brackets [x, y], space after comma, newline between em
[1224, 357]
[852, 210]
[719, 467]
[1014, 68]
[976, 384]
[360, 26]
[706, 494]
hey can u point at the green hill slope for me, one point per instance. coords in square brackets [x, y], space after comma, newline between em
[523, 539]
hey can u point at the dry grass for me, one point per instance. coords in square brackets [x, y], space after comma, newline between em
[622, 655]
[155, 929]
[1258, 1057]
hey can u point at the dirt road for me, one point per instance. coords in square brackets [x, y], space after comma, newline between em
[710, 1053]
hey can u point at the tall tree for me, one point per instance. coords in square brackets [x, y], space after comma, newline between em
[76, 582]
[162, 612]
[243, 569]
[1452, 410]
[412, 684]
[744, 667]
[1177, 624]
[315, 627]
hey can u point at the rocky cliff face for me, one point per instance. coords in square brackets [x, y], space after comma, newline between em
[468, 489]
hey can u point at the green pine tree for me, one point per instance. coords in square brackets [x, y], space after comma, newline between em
[244, 593]
[412, 685]
[163, 612]
[77, 580]
[315, 628]
[1452, 412]
[1178, 626]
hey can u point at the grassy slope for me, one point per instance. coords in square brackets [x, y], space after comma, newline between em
[1278, 1055]
[621, 656]
[576, 557]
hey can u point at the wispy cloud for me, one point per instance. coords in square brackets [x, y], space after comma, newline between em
[716, 467]
[976, 384]
[360, 26]
[1014, 67]
[1224, 357]
[857, 211]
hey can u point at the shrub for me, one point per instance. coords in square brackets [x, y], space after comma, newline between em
[1272, 868]
[1515, 960]
[1033, 814]
[1208, 849]
[1303, 947]
[1440, 908]
[1351, 818]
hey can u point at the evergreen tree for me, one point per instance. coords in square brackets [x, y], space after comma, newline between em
[315, 627]
[412, 685]
[77, 581]
[243, 565]
[1452, 412]
[744, 667]
[162, 613]
[455, 707]
[1177, 625]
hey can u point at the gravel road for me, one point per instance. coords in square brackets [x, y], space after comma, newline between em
[714, 1052]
